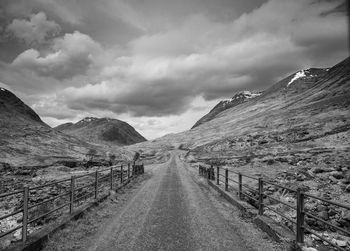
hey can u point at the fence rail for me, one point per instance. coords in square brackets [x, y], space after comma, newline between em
[259, 196]
[116, 174]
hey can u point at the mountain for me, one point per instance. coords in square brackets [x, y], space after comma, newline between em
[102, 131]
[13, 110]
[25, 140]
[304, 118]
[237, 99]
[293, 84]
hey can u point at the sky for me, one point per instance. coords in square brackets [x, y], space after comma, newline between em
[159, 65]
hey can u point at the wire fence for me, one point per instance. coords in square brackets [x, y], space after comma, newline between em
[41, 204]
[258, 197]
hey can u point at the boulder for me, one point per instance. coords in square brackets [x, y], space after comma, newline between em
[323, 215]
[337, 175]
[341, 243]
[321, 208]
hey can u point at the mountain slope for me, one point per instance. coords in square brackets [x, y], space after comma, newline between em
[25, 140]
[103, 130]
[306, 120]
[237, 99]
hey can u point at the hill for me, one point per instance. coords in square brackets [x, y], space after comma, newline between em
[102, 131]
[223, 105]
[25, 140]
[302, 120]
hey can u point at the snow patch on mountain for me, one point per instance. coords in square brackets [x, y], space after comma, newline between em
[249, 94]
[242, 95]
[299, 74]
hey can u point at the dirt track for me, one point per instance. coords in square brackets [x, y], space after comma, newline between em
[174, 210]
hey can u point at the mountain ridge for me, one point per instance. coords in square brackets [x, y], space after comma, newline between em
[102, 130]
[25, 140]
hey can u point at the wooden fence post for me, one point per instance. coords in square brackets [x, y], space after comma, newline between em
[261, 196]
[226, 179]
[25, 213]
[121, 174]
[96, 184]
[240, 186]
[128, 170]
[300, 216]
[217, 175]
[111, 178]
[71, 198]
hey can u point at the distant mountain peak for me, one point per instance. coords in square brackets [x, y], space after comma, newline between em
[238, 98]
[102, 130]
[87, 119]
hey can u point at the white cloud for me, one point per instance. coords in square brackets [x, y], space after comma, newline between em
[35, 30]
[70, 55]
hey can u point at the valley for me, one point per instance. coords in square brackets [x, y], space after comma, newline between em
[296, 133]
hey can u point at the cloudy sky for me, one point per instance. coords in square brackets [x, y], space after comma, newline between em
[158, 64]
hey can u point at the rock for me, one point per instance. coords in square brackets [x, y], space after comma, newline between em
[301, 177]
[308, 242]
[347, 188]
[347, 178]
[321, 208]
[332, 212]
[308, 249]
[341, 243]
[337, 175]
[334, 180]
[323, 215]
[310, 221]
[347, 216]
[319, 170]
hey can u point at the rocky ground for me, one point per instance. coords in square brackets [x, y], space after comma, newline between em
[11, 182]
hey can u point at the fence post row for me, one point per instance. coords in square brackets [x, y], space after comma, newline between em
[25, 213]
[72, 187]
[261, 196]
[300, 216]
[26, 194]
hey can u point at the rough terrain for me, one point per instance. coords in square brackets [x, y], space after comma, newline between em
[173, 210]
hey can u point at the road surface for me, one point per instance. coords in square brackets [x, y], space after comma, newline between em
[170, 212]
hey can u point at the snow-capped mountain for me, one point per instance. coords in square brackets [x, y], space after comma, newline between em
[237, 98]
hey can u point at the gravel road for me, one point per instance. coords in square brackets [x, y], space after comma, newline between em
[170, 212]
[168, 208]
